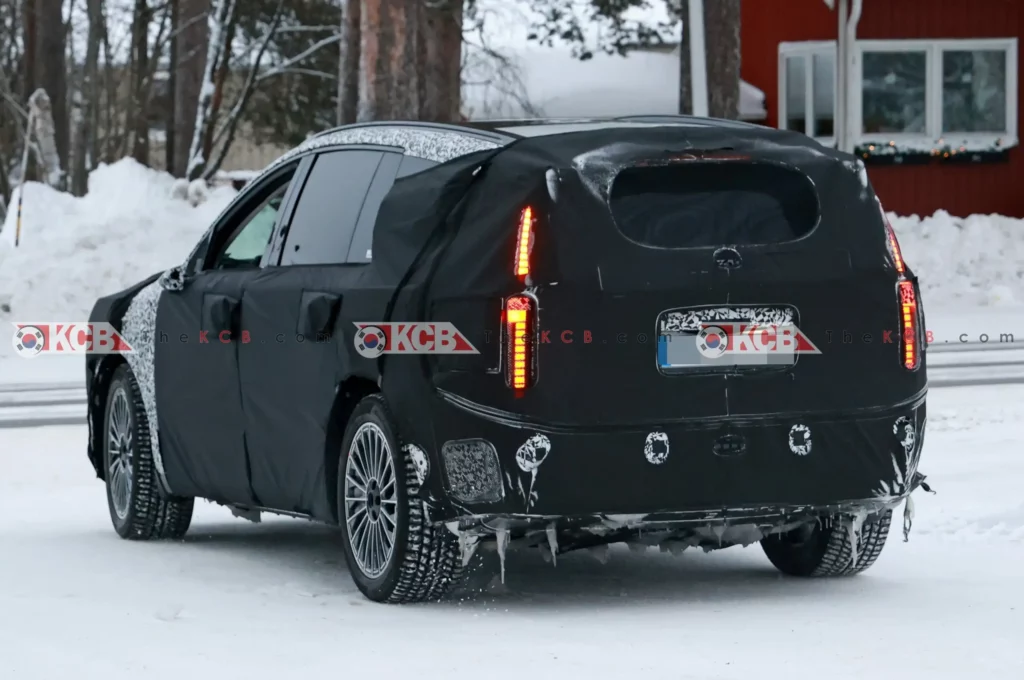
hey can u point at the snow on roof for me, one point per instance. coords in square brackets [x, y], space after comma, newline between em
[559, 85]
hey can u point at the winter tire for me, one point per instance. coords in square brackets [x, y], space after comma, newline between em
[826, 548]
[137, 508]
[393, 552]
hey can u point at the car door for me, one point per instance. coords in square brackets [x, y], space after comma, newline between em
[292, 366]
[202, 428]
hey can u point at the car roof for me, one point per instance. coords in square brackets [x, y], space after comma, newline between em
[537, 127]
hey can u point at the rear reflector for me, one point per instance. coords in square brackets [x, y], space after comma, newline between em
[524, 237]
[908, 319]
[520, 321]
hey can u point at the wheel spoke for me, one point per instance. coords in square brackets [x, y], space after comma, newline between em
[371, 527]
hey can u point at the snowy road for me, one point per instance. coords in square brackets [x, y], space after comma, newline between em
[237, 600]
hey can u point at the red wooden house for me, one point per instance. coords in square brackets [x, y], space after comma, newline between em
[932, 88]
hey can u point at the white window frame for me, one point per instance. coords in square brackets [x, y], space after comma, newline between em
[807, 50]
[934, 137]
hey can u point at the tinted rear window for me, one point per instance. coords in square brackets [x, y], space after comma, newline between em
[696, 205]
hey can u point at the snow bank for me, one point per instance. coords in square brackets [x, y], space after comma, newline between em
[973, 261]
[74, 250]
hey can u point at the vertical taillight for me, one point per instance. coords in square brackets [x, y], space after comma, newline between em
[520, 323]
[908, 318]
[892, 243]
[524, 238]
[894, 248]
[910, 337]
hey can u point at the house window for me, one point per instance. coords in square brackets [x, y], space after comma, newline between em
[974, 88]
[914, 92]
[893, 92]
[807, 87]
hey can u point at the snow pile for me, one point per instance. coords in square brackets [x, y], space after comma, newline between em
[74, 250]
[978, 260]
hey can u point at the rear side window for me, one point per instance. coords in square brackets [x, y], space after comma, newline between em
[411, 165]
[394, 166]
[329, 207]
[696, 205]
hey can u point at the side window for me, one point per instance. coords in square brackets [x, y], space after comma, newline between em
[245, 246]
[361, 251]
[411, 165]
[329, 207]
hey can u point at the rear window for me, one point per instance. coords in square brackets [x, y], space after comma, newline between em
[696, 205]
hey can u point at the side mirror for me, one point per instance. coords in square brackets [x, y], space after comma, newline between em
[174, 279]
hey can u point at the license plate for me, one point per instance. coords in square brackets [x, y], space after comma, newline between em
[697, 338]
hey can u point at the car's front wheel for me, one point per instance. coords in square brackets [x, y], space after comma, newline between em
[137, 508]
[393, 551]
[830, 547]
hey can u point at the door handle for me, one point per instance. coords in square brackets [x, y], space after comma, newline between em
[318, 312]
[220, 313]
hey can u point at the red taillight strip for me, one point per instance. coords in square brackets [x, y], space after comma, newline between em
[521, 265]
[908, 318]
[894, 248]
[892, 242]
[520, 318]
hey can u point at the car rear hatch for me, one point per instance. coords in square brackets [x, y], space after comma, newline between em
[783, 250]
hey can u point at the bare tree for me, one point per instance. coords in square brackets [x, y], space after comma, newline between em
[30, 46]
[190, 50]
[440, 59]
[139, 126]
[682, 11]
[722, 28]
[349, 46]
[388, 87]
[220, 21]
[51, 73]
[170, 137]
[89, 99]
[225, 136]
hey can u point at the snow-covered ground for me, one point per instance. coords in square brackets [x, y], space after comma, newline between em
[274, 600]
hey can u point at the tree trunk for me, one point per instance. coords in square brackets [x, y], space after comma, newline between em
[51, 75]
[223, 70]
[221, 18]
[139, 127]
[440, 61]
[722, 28]
[90, 100]
[685, 63]
[172, 80]
[28, 11]
[191, 56]
[348, 63]
[388, 71]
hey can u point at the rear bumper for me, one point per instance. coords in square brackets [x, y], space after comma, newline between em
[486, 464]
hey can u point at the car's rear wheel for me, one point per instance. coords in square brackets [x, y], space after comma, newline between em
[393, 552]
[137, 508]
[826, 548]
